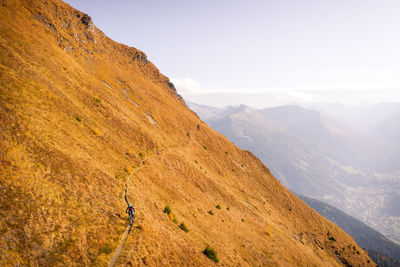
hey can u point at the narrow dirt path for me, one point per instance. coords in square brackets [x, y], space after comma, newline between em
[128, 228]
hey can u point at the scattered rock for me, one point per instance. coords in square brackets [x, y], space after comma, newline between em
[133, 102]
[106, 84]
[86, 19]
[151, 119]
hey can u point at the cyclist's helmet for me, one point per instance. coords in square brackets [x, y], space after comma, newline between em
[129, 205]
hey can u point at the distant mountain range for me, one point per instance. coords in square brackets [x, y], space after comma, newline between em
[364, 118]
[316, 154]
[89, 125]
[382, 250]
[380, 121]
[344, 144]
[388, 131]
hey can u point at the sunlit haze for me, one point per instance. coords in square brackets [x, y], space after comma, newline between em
[264, 53]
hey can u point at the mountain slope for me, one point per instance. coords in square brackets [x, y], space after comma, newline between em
[363, 117]
[316, 157]
[204, 111]
[305, 166]
[364, 235]
[79, 113]
[387, 131]
[342, 143]
[288, 156]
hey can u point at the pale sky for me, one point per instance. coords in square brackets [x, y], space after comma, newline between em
[263, 53]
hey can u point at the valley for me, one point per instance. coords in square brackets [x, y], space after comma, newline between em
[316, 156]
[79, 113]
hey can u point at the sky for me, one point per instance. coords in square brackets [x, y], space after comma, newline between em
[263, 53]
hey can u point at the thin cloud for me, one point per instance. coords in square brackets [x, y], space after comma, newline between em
[193, 91]
[187, 86]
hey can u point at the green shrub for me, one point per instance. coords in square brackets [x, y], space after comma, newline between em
[183, 227]
[141, 155]
[78, 118]
[211, 254]
[167, 210]
[210, 212]
[106, 249]
[98, 100]
[205, 148]
[175, 221]
[218, 206]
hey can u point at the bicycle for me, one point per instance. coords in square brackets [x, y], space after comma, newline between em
[131, 218]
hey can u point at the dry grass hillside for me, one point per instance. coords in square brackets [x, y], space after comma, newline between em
[79, 112]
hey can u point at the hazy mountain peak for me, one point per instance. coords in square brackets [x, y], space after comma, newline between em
[90, 125]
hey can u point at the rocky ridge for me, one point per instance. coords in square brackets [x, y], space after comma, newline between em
[75, 110]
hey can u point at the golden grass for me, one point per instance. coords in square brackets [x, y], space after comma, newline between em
[68, 131]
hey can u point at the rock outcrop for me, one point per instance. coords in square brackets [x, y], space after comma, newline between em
[71, 136]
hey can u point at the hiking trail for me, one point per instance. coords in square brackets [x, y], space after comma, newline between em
[129, 227]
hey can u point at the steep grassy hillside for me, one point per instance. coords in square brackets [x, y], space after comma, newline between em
[79, 113]
[306, 153]
[364, 235]
[301, 165]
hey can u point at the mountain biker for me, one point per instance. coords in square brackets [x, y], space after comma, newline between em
[130, 209]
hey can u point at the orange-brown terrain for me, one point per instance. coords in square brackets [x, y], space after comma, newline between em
[79, 113]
